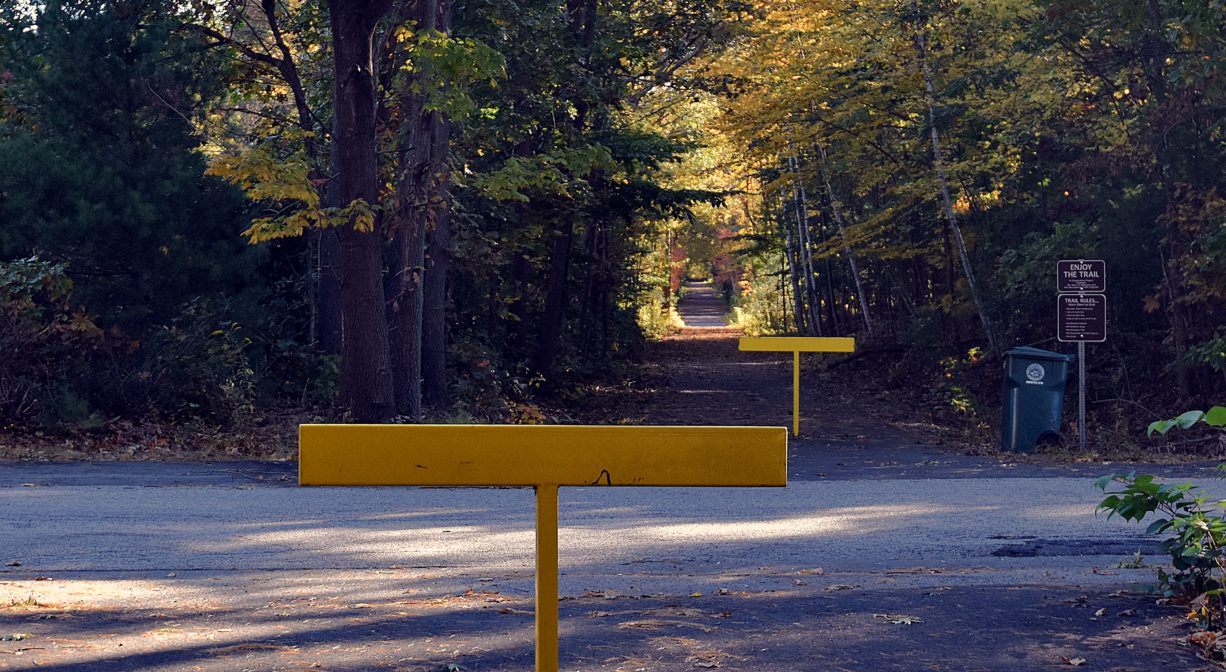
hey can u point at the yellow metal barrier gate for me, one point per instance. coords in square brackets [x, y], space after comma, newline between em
[796, 345]
[544, 457]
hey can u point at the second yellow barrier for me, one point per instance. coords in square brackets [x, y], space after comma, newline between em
[796, 345]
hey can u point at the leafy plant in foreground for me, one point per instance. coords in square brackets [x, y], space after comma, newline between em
[1194, 523]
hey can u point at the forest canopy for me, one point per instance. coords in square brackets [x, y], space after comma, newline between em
[414, 209]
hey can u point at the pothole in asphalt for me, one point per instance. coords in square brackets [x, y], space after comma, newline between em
[1034, 548]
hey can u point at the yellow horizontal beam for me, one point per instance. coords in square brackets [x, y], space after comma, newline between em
[493, 455]
[796, 344]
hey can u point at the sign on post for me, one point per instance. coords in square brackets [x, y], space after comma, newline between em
[1081, 276]
[544, 457]
[1081, 317]
[796, 345]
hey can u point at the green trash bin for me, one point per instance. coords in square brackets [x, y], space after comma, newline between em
[1034, 397]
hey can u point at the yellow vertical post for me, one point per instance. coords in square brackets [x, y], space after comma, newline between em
[547, 578]
[796, 393]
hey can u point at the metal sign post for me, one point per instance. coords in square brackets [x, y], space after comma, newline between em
[1081, 317]
[1081, 394]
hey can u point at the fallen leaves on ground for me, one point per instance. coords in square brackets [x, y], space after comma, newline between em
[1204, 640]
[662, 624]
[248, 648]
[518, 612]
[899, 619]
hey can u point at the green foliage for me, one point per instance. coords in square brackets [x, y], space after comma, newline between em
[198, 365]
[443, 68]
[1214, 417]
[558, 173]
[954, 387]
[46, 340]
[1195, 529]
[101, 172]
[1195, 524]
[486, 387]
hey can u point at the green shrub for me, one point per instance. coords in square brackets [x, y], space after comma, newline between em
[196, 366]
[46, 342]
[1194, 525]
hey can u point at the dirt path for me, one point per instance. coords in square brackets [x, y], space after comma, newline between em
[849, 426]
[698, 377]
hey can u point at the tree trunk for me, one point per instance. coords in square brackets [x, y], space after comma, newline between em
[806, 250]
[1155, 55]
[837, 211]
[404, 307]
[328, 293]
[326, 325]
[366, 380]
[556, 298]
[938, 160]
[438, 259]
[798, 310]
[833, 304]
[521, 279]
[582, 15]
[438, 262]
[421, 245]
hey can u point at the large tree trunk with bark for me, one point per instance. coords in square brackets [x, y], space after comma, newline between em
[421, 244]
[366, 380]
[326, 323]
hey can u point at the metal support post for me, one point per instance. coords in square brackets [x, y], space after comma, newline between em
[546, 578]
[1081, 394]
[796, 393]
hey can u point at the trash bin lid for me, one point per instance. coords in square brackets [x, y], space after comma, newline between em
[1036, 353]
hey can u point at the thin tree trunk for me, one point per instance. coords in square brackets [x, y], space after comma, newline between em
[438, 261]
[806, 249]
[832, 304]
[434, 321]
[783, 293]
[521, 275]
[366, 380]
[328, 293]
[1179, 332]
[582, 15]
[837, 211]
[794, 270]
[556, 296]
[938, 161]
